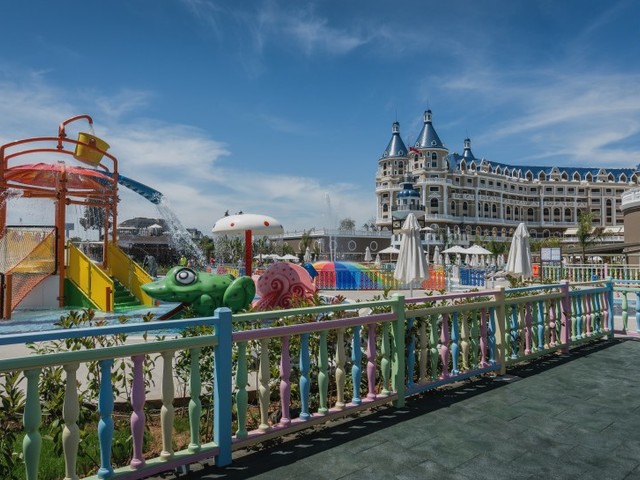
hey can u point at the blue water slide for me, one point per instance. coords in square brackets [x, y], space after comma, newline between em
[154, 196]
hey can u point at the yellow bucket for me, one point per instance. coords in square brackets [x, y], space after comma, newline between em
[85, 153]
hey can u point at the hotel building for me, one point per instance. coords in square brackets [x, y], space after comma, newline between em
[474, 197]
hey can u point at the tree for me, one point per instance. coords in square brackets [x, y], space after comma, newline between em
[587, 235]
[347, 224]
[305, 241]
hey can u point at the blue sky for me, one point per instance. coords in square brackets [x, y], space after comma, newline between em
[276, 106]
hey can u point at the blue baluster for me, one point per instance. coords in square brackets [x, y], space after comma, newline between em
[105, 424]
[356, 370]
[492, 336]
[304, 376]
[514, 337]
[638, 311]
[455, 344]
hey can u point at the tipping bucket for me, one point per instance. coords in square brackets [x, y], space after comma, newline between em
[84, 151]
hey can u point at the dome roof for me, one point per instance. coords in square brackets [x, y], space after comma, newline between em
[428, 138]
[396, 147]
[407, 188]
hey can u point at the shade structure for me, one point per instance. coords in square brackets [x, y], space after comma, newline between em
[345, 276]
[411, 265]
[367, 255]
[48, 175]
[519, 260]
[477, 250]
[390, 250]
[377, 262]
[247, 224]
[455, 249]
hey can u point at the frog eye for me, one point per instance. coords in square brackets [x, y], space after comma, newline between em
[185, 276]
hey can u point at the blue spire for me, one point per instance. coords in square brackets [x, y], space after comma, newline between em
[428, 138]
[396, 147]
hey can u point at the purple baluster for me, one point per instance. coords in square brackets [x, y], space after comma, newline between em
[137, 416]
[285, 385]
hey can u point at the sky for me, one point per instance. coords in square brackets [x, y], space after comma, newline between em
[285, 107]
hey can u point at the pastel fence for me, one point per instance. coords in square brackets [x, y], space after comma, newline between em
[310, 365]
[589, 272]
[628, 291]
[377, 279]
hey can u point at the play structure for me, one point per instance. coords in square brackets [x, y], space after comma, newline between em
[38, 262]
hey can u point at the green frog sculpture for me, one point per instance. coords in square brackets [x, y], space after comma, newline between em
[203, 291]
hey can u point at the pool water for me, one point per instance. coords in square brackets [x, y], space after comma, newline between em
[39, 320]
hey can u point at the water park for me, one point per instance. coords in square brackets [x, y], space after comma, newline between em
[261, 356]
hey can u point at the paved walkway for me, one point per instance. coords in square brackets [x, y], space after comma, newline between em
[563, 417]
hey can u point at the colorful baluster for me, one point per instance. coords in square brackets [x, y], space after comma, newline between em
[385, 362]
[539, 316]
[285, 385]
[70, 415]
[474, 338]
[242, 396]
[492, 336]
[371, 361]
[323, 374]
[340, 373]
[464, 340]
[553, 323]
[444, 346]
[304, 376]
[105, 424]
[588, 317]
[32, 442]
[424, 351]
[263, 389]
[513, 339]
[411, 352]
[625, 312]
[638, 311]
[455, 347]
[167, 411]
[195, 405]
[598, 314]
[527, 328]
[483, 338]
[433, 344]
[576, 318]
[137, 419]
[356, 362]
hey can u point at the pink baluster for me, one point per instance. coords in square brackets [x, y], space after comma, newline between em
[552, 323]
[444, 346]
[137, 416]
[285, 385]
[483, 338]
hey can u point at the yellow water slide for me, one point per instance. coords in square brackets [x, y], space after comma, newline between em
[98, 285]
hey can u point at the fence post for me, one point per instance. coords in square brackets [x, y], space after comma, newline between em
[222, 416]
[398, 362]
[610, 306]
[501, 328]
[565, 302]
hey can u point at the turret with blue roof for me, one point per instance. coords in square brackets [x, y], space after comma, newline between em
[396, 147]
[428, 138]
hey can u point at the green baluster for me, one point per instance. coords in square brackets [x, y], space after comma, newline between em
[242, 397]
[323, 374]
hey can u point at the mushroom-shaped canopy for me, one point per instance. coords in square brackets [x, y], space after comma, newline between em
[258, 224]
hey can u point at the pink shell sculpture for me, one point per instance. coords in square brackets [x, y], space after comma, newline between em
[280, 283]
